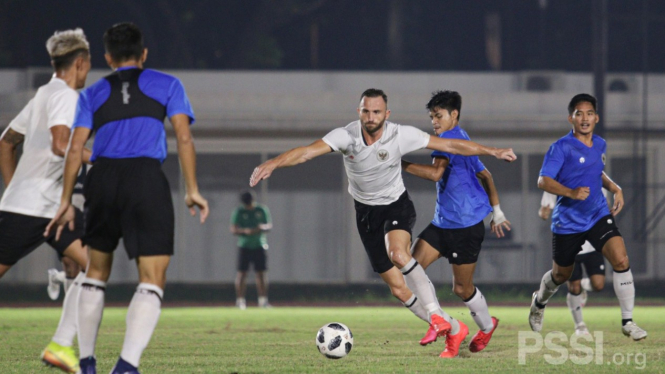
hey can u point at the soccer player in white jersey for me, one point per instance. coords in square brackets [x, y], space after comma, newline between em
[593, 262]
[34, 184]
[466, 194]
[372, 148]
[573, 170]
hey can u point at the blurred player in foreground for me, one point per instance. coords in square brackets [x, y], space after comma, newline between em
[127, 194]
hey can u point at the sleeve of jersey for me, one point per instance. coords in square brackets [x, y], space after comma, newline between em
[478, 165]
[337, 139]
[61, 108]
[553, 162]
[412, 139]
[21, 121]
[179, 102]
[83, 116]
[548, 200]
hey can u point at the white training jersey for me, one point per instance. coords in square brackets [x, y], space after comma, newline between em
[375, 171]
[549, 200]
[36, 187]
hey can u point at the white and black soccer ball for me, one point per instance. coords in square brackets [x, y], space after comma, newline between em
[334, 340]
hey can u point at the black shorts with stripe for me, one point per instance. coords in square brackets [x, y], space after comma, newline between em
[565, 247]
[375, 221]
[21, 234]
[129, 198]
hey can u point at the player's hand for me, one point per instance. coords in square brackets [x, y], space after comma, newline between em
[195, 199]
[544, 212]
[261, 172]
[618, 203]
[499, 222]
[580, 193]
[64, 217]
[506, 154]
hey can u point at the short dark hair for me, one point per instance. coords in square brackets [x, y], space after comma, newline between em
[374, 92]
[581, 98]
[247, 197]
[448, 100]
[124, 41]
[66, 60]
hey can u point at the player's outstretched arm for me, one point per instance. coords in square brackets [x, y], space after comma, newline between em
[548, 184]
[432, 172]
[187, 156]
[73, 160]
[614, 188]
[499, 221]
[469, 148]
[8, 145]
[291, 157]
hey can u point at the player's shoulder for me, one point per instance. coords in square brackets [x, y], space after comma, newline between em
[597, 139]
[565, 141]
[353, 128]
[96, 87]
[159, 76]
[455, 133]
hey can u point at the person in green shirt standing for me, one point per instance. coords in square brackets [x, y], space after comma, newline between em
[250, 222]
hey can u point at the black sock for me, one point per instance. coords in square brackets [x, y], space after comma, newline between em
[624, 321]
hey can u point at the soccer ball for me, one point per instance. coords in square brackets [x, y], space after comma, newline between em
[334, 340]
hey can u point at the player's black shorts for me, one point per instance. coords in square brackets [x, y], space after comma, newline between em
[459, 246]
[375, 221]
[21, 234]
[566, 246]
[129, 198]
[256, 256]
[594, 264]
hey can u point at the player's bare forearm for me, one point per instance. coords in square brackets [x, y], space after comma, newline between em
[73, 161]
[469, 148]
[87, 153]
[487, 181]
[289, 158]
[8, 145]
[187, 157]
[428, 172]
[609, 184]
[552, 186]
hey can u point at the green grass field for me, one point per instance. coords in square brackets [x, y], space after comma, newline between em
[281, 340]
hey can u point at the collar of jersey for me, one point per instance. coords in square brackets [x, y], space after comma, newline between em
[126, 68]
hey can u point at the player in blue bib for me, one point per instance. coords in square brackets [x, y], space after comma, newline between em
[127, 195]
[573, 170]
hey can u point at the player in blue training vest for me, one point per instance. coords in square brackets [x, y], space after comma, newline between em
[573, 170]
[127, 195]
[457, 230]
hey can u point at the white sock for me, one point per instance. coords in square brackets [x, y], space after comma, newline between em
[68, 283]
[586, 284]
[416, 307]
[624, 288]
[66, 331]
[142, 317]
[575, 305]
[481, 315]
[263, 300]
[419, 283]
[90, 311]
[547, 288]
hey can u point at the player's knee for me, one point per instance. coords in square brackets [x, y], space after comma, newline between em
[621, 264]
[399, 257]
[560, 277]
[463, 291]
[598, 286]
[574, 288]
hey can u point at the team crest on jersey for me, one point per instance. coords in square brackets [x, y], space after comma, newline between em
[382, 155]
[602, 157]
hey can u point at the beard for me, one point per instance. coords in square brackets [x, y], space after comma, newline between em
[378, 127]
